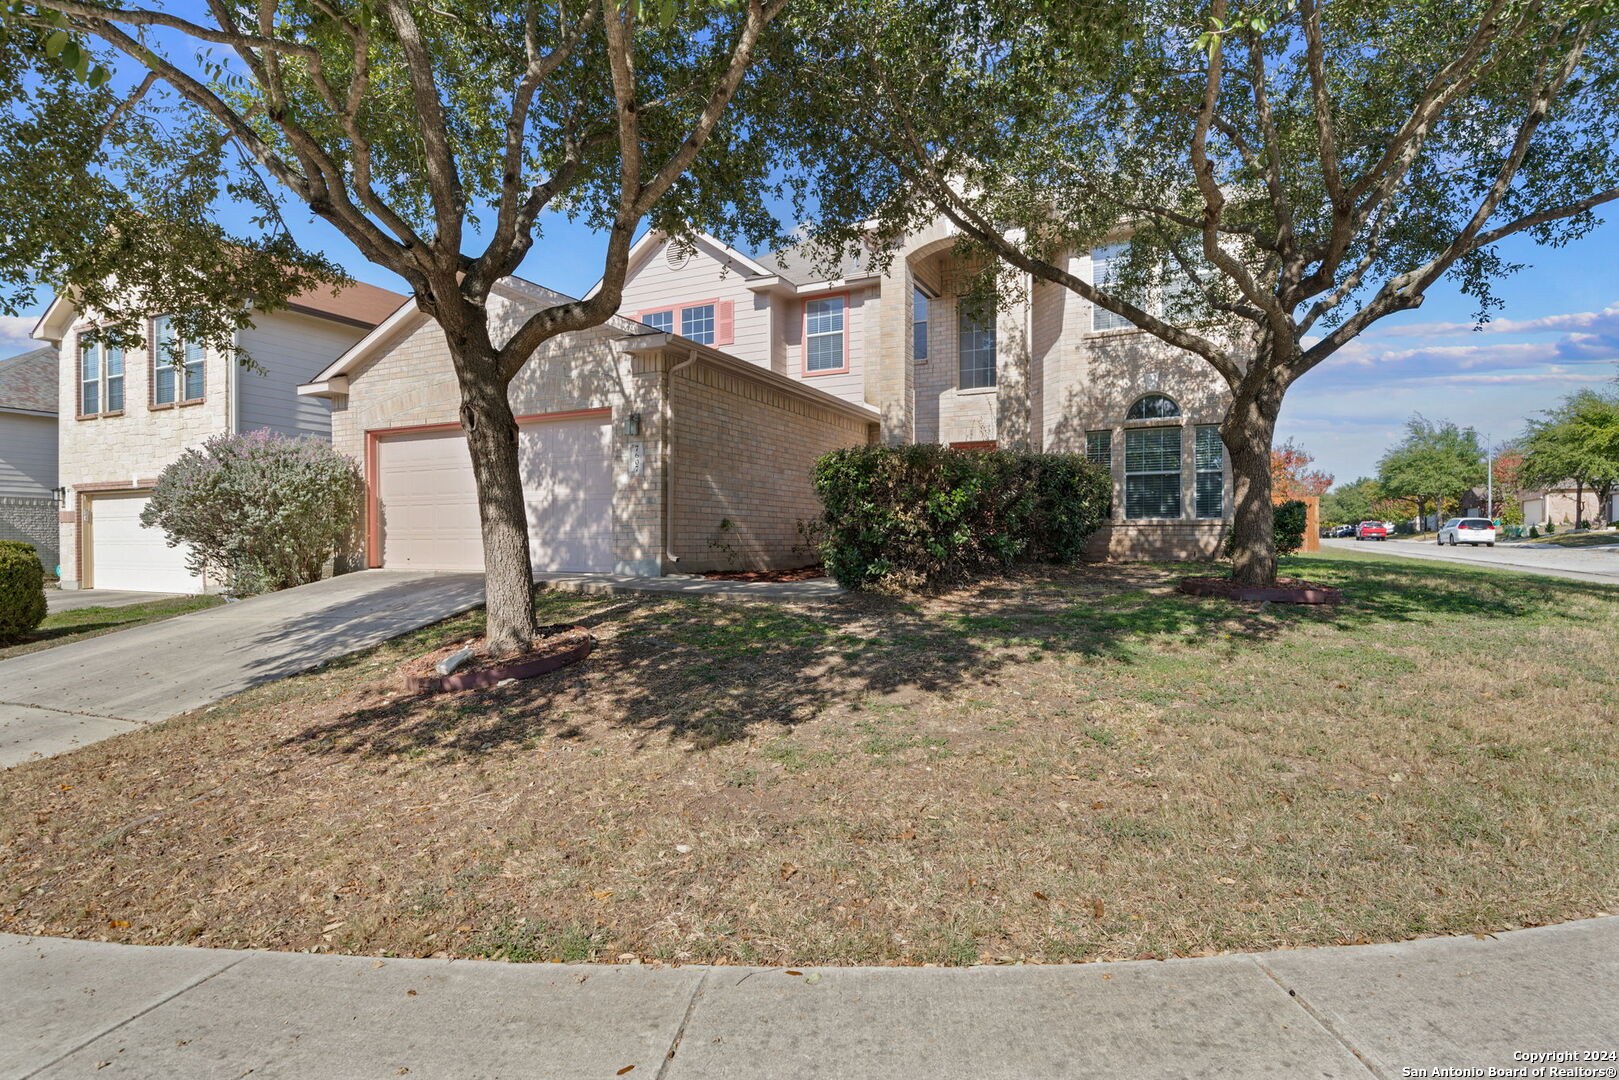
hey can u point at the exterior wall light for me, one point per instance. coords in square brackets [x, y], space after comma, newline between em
[632, 424]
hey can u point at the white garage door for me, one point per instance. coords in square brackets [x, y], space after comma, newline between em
[124, 554]
[427, 507]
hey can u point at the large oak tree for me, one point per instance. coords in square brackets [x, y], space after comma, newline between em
[1287, 174]
[433, 136]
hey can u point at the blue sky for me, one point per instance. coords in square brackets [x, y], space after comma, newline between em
[1558, 332]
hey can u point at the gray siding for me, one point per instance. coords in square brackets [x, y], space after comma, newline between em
[27, 456]
[290, 349]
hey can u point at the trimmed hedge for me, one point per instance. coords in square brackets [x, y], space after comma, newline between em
[915, 516]
[22, 590]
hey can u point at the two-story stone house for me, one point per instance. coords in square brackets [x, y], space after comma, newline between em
[1052, 372]
[124, 416]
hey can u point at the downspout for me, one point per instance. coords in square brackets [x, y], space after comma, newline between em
[668, 458]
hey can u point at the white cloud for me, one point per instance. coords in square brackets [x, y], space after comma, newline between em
[14, 331]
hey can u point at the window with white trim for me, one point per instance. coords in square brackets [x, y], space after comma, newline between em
[1105, 264]
[919, 325]
[1210, 463]
[697, 323]
[660, 320]
[1153, 407]
[1152, 472]
[173, 382]
[101, 378]
[976, 350]
[824, 334]
[1099, 448]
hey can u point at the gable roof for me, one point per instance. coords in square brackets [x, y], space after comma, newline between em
[28, 382]
[357, 304]
[407, 318]
[795, 265]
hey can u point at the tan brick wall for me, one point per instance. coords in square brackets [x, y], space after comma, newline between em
[1178, 541]
[743, 451]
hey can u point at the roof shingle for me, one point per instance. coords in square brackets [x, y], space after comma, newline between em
[28, 381]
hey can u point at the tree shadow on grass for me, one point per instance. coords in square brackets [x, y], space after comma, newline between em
[709, 672]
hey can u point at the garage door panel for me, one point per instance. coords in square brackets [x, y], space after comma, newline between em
[124, 554]
[568, 493]
[427, 511]
[427, 505]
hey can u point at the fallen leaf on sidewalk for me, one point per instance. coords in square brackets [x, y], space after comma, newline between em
[624, 1070]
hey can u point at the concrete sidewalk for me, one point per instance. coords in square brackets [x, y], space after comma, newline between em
[57, 699]
[77, 1009]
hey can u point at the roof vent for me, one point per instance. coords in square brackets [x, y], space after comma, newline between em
[677, 257]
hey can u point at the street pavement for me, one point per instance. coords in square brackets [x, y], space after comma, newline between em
[1576, 564]
[91, 1009]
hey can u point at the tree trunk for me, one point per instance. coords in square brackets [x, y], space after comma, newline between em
[1247, 433]
[1579, 501]
[491, 429]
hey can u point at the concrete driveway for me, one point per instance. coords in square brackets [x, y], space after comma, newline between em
[74, 599]
[1576, 564]
[57, 699]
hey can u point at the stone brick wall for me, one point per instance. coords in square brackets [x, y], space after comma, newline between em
[32, 521]
[1177, 541]
[743, 451]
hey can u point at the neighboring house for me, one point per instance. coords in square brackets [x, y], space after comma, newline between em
[126, 416]
[1557, 505]
[642, 452]
[1052, 372]
[28, 451]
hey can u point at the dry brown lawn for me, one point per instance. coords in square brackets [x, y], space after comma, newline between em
[1066, 765]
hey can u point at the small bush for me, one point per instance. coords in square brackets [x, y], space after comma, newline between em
[1288, 521]
[1534, 533]
[261, 510]
[22, 590]
[916, 516]
[1551, 527]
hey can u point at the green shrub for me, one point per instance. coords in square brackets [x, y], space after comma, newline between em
[1551, 527]
[1288, 522]
[22, 590]
[261, 510]
[915, 516]
[1534, 533]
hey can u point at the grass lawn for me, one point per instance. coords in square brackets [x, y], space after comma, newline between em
[61, 627]
[1065, 765]
[1597, 538]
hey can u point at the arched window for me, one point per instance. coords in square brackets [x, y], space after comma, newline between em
[1153, 407]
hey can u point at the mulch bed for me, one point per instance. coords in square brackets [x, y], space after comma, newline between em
[803, 573]
[1285, 591]
[557, 646]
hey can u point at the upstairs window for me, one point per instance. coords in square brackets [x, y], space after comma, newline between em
[101, 378]
[1153, 407]
[697, 323]
[1210, 472]
[175, 383]
[1152, 472]
[1105, 264]
[660, 320]
[1099, 448]
[976, 355]
[919, 325]
[825, 340]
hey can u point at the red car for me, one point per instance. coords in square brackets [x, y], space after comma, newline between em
[1371, 530]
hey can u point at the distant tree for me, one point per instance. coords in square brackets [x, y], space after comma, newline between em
[1505, 469]
[1291, 475]
[1578, 441]
[1351, 502]
[1435, 461]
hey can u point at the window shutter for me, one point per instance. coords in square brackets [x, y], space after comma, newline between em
[724, 323]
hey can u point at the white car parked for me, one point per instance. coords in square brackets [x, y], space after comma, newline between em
[1473, 531]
